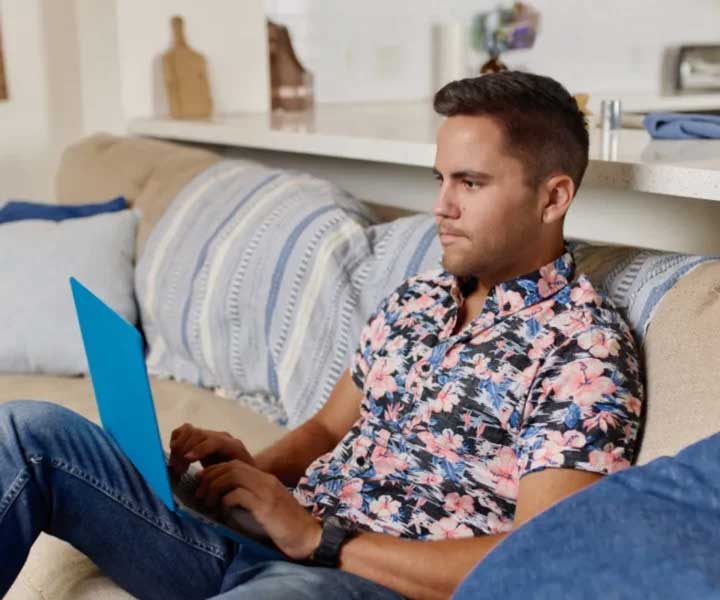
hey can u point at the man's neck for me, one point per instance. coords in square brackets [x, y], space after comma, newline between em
[474, 298]
[530, 263]
[471, 307]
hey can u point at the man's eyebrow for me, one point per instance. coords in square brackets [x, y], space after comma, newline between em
[466, 174]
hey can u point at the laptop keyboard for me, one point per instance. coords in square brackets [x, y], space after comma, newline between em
[187, 483]
[184, 486]
[238, 519]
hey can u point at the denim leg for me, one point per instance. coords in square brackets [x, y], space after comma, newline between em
[61, 474]
[293, 581]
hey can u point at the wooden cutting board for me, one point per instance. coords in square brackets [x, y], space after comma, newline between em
[186, 78]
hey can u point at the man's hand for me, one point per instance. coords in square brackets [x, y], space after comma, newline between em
[188, 444]
[238, 484]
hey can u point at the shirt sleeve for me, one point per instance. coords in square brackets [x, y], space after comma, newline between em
[583, 408]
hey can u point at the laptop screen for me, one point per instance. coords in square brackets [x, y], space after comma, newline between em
[115, 355]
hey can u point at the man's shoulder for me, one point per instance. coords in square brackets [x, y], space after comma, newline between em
[590, 308]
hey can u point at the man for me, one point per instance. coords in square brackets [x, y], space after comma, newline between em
[480, 395]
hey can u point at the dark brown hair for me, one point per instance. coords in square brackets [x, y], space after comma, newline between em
[544, 128]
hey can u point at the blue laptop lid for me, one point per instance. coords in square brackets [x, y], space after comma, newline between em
[114, 350]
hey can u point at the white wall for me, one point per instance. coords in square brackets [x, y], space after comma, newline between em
[101, 97]
[41, 68]
[380, 50]
[75, 67]
[229, 33]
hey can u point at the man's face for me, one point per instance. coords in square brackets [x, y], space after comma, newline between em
[487, 216]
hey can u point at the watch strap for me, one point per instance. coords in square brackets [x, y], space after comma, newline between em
[334, 534]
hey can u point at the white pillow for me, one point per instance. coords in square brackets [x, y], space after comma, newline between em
[39, 332]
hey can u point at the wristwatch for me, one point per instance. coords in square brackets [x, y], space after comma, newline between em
[334, 534]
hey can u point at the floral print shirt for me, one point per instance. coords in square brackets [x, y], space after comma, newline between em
[546, 376]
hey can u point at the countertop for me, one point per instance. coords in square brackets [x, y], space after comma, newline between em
[404, 134]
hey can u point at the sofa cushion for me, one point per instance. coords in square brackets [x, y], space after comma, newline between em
[148, 173]
[55, 570]
[175, 403]
[635, 279]
[682, 357]
[258, 279]
[39, 328]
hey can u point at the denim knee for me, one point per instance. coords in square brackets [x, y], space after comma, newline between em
[37, 416]
[36, 411]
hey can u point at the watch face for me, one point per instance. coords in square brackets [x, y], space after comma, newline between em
[348, 526]
[334, 521]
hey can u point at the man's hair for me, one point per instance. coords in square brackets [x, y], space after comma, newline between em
[544, 128]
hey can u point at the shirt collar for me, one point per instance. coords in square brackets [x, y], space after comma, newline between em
[516, 294]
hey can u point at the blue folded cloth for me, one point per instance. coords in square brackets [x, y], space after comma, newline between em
[21, 210]
[676, 126]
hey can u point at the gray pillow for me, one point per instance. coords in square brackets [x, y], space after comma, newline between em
[38, 328]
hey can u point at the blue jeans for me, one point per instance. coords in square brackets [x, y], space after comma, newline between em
[61, 474]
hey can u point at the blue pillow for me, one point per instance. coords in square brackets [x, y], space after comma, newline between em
[20, 210]
[650, 531]
[39, 328]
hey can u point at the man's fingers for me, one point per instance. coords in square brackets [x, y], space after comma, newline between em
[190, 442]
[242, 452]
[183, 438]
[178, 446]
[207, 476]
[180, 433]
[218, 479]
[209, 445]
[222, 481]
[179, 465]
[177, 431]
[222, 485]
[242, 498]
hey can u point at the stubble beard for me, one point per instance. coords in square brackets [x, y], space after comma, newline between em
[462, 265]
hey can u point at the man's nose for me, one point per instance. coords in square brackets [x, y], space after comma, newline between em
[446, 204]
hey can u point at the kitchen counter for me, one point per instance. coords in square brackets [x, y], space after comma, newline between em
[404, 134]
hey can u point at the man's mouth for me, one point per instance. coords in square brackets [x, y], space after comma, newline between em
[448, 235]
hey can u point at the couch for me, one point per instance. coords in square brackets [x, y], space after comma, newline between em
[680, 347]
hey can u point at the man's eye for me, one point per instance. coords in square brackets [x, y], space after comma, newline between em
[471, 185]
[438, 178]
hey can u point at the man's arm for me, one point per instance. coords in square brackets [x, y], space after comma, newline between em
[433, 569]
[288, 458]
[415, 569]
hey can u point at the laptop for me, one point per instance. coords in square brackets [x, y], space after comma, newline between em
[115, 354]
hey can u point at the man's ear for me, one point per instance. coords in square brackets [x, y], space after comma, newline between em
[559, 192]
